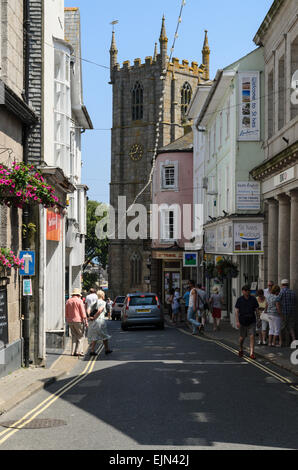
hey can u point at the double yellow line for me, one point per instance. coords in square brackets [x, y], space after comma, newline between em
[274, 374]
[31, 415]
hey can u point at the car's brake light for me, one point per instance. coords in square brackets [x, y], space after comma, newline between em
[127, 305]
[158, 304]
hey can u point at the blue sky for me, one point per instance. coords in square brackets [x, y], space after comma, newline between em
[231, 26]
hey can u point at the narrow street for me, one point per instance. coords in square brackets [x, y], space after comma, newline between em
[159, 390]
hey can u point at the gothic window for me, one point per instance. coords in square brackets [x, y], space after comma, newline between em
[136, 270]
[186, 93]
[137, 102]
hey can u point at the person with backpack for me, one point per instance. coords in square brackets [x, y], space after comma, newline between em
[193, 308]
[245, 315]
[202, 304]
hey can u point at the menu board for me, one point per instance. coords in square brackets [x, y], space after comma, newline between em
[3, 318]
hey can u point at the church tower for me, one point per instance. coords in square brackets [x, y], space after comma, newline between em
[137, 92]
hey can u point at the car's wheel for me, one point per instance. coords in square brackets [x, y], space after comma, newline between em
[124, 327]
[161, 326]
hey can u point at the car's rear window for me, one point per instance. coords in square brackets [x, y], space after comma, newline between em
[143, 300]
[120, 300]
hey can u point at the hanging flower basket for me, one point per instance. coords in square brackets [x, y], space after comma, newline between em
[211, 271]
[9, 260]
[23, 184]
[226, 269]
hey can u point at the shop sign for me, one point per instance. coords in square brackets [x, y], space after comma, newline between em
[224, 241]
[3, 318]
[248, 238]
[53, 226]
[249, 106]
[190, 260]
[166, 255]
[248, 195]
[284, 177]
[210, 240]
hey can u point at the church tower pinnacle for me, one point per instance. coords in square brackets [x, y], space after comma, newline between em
[113, 55]
[163, 40]
[206, 57]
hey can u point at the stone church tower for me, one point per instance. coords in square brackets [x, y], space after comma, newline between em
[137, 92]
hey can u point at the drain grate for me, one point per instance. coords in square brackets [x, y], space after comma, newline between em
[35, 424]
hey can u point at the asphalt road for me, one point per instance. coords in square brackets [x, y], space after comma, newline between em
[159, 390]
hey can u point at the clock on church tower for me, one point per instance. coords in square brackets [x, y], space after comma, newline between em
[136, 152]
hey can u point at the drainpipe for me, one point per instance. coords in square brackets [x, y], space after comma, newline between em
[26, 209]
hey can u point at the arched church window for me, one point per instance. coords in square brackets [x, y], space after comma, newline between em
[136, 270]
[137, 102]
[186, 93]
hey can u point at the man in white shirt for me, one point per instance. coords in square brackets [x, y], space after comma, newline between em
[269, 288]
[91, 300]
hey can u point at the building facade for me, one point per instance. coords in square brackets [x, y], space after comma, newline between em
[172, 216]
[229, 135]
[137, 93]
[55, 91]
[277, 173]
[15, 118]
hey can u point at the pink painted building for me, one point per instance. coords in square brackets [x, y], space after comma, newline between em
[172, 198]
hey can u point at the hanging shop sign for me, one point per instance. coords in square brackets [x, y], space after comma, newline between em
[249, 106]
[190, 260]
[248, 238]
[248, 195]
[53, 226]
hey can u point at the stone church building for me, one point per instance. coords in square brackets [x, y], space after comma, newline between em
[137, 93]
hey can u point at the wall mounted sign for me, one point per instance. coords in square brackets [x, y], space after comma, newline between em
[248, 195]
[3, 317]
[248, 238]
[249, 106]
[27, 287]
[285, 176]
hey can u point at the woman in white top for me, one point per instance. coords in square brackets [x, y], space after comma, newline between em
[97, 330]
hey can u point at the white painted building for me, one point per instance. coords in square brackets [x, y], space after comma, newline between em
[64, 117]
[228, 133]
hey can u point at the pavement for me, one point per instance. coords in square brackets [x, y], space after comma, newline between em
[230, 336]
[22, 383]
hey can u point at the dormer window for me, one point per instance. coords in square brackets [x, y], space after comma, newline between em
[137, 102]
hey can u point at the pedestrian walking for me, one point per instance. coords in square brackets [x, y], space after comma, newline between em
[91, 300]
[245, 314]
[286, 304]
[269, 288]
[203, 307]
[274, 317]
[109, 307]
[76, 318]
[169, 301]
[216, 302]
[262, 317]
[97, 330]
[175, 305]
[186, 302]
[192, 309]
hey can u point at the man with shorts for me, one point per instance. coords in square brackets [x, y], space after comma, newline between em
[245, 315]
[286, 304]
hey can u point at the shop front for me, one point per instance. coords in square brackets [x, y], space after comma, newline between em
[173, 269]
[239, 242]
